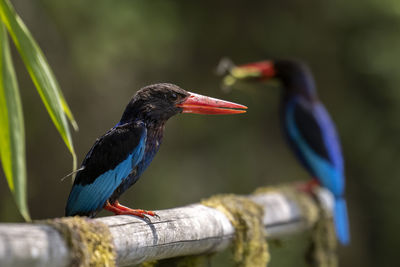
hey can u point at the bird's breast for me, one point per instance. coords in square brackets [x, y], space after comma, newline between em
[153, 142]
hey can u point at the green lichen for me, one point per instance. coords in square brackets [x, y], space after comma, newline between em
[89, 241]
[250, 245]
[322, 251]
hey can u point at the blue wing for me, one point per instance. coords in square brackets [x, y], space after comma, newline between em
[312, 134]
[111, 160]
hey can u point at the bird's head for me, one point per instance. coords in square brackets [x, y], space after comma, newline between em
[162, 101]
[294, 75]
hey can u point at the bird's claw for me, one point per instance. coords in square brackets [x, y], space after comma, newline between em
[308, 187]
[118, 209]
[151, 213]
[147, 219]
[156, 216]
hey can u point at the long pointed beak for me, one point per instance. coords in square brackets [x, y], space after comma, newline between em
[201, 104]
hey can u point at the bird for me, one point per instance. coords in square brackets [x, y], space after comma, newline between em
[119, 157]
[307, 126]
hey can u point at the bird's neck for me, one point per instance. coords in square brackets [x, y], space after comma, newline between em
[134, 112]
[155, 132]
[154, 127]
[299, 85]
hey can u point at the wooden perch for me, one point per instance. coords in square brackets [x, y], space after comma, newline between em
[189, 230]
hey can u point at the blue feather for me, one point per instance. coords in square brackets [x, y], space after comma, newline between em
[92, 197]
[329, 136]
[330, 176]
[341, 221]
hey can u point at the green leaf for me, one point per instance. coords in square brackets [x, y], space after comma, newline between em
[40, 72]
[12, 133]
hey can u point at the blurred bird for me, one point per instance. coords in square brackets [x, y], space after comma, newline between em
[307, 126]
[118, 158]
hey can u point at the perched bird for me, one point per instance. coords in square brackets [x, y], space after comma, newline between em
[118, 158]
[307, 126]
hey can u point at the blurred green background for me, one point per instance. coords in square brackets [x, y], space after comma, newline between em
[102, 52]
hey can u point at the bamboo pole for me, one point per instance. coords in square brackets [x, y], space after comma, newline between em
[189, 230]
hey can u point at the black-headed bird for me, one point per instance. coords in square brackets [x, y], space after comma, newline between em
[307, 126]
[118, 158]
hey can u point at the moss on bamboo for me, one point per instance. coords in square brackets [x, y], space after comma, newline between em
[90, 242]
[250, 245]
[322, 251]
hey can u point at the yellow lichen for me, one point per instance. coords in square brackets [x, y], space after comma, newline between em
[89, 241]
[250, 245]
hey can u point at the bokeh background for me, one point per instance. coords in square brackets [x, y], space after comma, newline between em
[103, 51]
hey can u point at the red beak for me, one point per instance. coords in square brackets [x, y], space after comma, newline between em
[200, 104]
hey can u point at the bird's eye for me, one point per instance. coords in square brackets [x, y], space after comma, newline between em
[174, 96]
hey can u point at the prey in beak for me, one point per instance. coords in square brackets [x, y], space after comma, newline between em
[257, 71]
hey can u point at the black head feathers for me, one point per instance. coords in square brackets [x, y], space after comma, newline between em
[295, 77]
[155, 102]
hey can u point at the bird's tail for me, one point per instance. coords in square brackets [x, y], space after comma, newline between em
[341, 221]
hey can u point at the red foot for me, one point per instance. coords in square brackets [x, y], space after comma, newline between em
[309, 186]
[118, 209]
